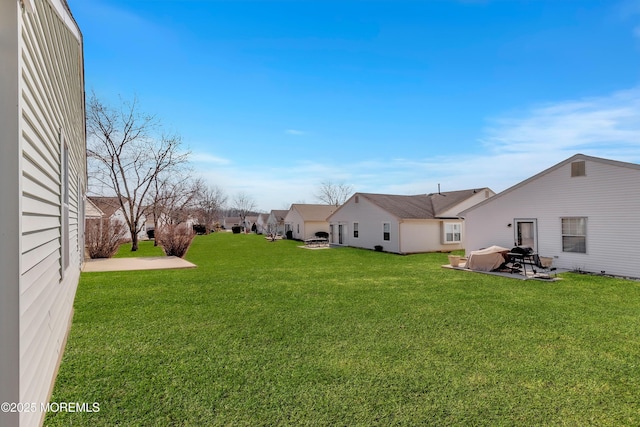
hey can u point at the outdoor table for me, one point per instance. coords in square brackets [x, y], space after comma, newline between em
[523, 259]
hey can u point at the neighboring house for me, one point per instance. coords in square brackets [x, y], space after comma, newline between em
[404, 224]
[110, 208]
[231, 221]
[91, 211]
[275, 222]
[261, 223]
[582, 212]
[305, 220]
[189, 219]
[249, 222]
[44, 179]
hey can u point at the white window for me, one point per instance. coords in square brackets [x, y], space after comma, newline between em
[386, 231]
[452, 232]
[574, 235]
[355, 230]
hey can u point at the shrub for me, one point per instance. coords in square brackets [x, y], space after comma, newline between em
[236, 229]
[151, 234]
[322, 235]
[103, 237]
[175, 239]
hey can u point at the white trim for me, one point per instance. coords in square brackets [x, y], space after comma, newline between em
[28, 6]
[562, 235]
[455, 225]
[534, 221]
[383, 231]
[65, 250]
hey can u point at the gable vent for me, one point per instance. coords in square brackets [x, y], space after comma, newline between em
[578, 169]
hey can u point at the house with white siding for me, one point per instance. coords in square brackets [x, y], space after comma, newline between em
[110, 208]
[261, 223]
[582, 213]
[44, 179]
[249, 223]
[403, 224]
[275, 222]
[231, 221]
[305, 220]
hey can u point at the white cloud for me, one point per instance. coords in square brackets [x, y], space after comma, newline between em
[200, 157]
[294, 132]
[510, 150]
[604, 125]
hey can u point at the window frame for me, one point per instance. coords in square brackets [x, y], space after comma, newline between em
[386, 231]
[574, 234]
[453, 233]
[356, 232]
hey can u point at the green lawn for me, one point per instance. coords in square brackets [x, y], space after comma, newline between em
[145, 248]
[266, 333]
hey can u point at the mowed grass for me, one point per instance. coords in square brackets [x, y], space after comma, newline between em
[145, 249]
[266, 333]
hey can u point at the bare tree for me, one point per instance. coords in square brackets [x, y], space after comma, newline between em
[126, 153]
[211, 201]
[173, 200]
[243, 205]
[334, 193]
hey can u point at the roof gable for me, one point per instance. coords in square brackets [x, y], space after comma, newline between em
[314, 212]
[575, 157]
[108, 205]
[279, 214]
[444, 201]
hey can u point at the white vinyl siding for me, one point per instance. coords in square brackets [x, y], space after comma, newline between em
[52, 182]
[405, 236]
[370, 218]
[64, 188]
[608, 195]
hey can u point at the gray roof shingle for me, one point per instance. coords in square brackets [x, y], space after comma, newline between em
[421, 206]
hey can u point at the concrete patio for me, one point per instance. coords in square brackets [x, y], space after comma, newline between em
[552, 275]
[130, 264]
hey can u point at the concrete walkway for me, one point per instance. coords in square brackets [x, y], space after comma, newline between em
[128, 264]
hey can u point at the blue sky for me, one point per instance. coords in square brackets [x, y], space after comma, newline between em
[274, 97]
